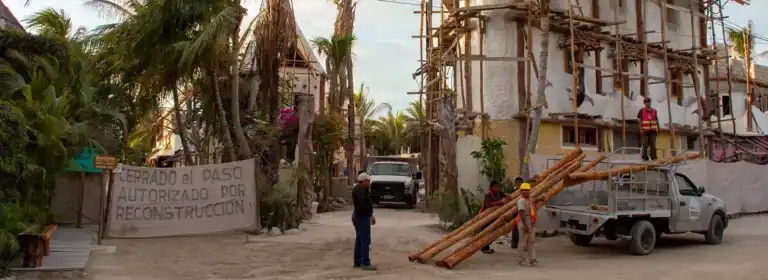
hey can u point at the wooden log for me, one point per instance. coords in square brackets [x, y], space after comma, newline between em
[605, 174]
[46, 238]
[512, 213]
[478, 221]
[483, 239]
[415, 256]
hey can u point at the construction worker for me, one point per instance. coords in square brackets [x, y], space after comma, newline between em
[526, 222]
[494, 197]
[516, 232]
[649, 127]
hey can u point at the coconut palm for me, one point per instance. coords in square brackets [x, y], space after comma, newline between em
[390, 134]
[415, 116]
[367, 108]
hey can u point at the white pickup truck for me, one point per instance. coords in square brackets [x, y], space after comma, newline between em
[640, 207]
[394, 181]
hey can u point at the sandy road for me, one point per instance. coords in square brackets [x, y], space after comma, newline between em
[323, 249]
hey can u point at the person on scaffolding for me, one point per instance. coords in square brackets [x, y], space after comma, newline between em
[649, 127]
[526, 223]
[493, 198]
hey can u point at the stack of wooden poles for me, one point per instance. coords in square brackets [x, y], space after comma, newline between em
[497, 221]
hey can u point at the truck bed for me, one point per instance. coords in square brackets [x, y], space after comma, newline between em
[579, 208]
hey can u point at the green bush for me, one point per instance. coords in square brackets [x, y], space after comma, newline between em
[448, 211]
[32, 45]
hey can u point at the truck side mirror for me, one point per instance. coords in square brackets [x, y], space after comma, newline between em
[417, 176]
[701, 190]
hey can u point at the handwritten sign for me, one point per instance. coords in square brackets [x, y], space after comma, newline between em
[153, 202]
[105, 162]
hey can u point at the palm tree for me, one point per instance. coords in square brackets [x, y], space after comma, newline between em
[53, 23]
[336, 49]
[390, 134]
[366, 109]
[415, 116]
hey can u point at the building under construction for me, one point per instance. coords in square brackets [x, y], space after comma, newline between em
[482, 66]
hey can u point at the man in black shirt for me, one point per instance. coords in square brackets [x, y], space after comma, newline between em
[494, 197]
[362, 219]
[515, 232]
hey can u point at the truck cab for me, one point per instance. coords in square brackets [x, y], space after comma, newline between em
[394, 181]
[640, 207]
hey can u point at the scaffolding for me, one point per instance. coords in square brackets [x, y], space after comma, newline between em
[443, 76]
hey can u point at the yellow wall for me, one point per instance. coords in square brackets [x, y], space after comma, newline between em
[550, 141]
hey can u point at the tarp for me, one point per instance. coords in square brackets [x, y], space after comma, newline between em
[154, 202]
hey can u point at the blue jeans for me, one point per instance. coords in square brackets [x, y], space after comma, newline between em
[362, 239]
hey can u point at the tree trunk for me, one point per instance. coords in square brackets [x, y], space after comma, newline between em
[229, 146]
[448, 169]
[351, 170]
[243, 148]
[304, 192]
[181, 129]
[541, 87]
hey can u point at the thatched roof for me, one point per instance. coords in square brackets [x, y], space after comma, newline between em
[10, 20]
[760, 75]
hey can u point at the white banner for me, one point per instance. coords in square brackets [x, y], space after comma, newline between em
[153, 202]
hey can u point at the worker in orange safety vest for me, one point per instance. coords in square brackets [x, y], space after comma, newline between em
[649, 127]
[494, 197]
[526, 223]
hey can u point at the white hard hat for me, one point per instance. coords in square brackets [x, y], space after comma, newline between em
[363, 176]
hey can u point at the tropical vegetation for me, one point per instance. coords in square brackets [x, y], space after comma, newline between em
[176, 65]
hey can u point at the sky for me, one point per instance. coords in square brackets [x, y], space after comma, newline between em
[385, 53]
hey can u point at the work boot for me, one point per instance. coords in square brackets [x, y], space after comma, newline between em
[368, 267]
[487, 251]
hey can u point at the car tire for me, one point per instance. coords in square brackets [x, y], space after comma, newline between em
[643, 238]
[580, 239]
[413, 199]
[714, 235]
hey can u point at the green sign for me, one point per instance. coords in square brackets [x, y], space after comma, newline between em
[84, 162]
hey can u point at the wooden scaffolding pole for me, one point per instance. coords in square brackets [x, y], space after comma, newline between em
[619, 64]
[719, 107]
[663, 8]
[575, 85]
[695, 74]
[728, 65]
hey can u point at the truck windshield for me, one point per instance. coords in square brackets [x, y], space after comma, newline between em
[391, 169]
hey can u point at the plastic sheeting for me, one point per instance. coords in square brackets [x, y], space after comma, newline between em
[741, 185]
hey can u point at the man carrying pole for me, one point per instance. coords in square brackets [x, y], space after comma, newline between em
[526, 222]
[494, 197]
[649, 127]
[516, 232]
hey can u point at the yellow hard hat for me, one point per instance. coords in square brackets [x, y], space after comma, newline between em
[525, 186]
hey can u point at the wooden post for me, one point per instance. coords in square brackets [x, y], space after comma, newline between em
[663, 8]
[80, 201]
[305, 191]
[748, 73]
[574, 77]
[105, 220]
[695, 75]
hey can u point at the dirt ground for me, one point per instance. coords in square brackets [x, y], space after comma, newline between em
[323, 250]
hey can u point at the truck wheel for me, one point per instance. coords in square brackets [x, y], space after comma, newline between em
[414, 199]
[580, 239]
[643, 238]
[714, 234]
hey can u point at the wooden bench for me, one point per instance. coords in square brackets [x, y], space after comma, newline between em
[36, 244]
